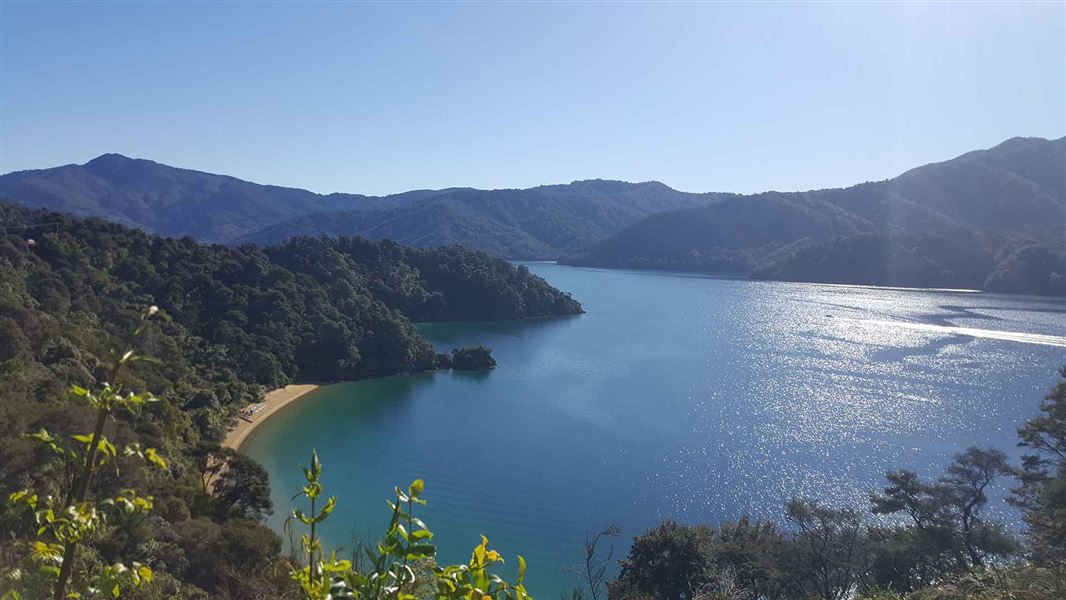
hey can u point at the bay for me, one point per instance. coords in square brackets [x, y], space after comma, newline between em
[675, 396]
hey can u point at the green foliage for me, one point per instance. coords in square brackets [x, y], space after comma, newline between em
[1022, 582]
[231, 322]
[831, 553]
[826, 549]
[60, 526]
[537, 223]
[947, 514]
[242, 487]
[1043, 479]
[425, 284]
[396, 561]
[669, 562]
[472, 359]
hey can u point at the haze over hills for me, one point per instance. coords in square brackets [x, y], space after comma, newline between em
[536, 223]
[171, 201]
[990, 219]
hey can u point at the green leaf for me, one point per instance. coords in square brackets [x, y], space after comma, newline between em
[416, 488]
[153, 457]
[420, 551]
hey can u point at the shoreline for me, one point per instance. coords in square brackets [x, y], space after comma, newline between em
[273, 401]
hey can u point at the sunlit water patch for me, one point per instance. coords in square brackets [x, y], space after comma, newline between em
[680, 397]
[1008, 336]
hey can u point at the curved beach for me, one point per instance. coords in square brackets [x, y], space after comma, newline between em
[272, 402]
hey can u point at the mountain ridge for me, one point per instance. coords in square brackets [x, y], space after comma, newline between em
[1012, 193]
[969, 221]
[212, 207]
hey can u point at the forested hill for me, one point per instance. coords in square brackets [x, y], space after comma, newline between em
[991, 219]
[307, 310]
[536, 223]
[166, 200]
[232, 322]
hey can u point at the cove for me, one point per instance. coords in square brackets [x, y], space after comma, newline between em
[674, 396]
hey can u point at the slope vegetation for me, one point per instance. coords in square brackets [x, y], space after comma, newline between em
[230, 323]
[536, 223]
[992, 219]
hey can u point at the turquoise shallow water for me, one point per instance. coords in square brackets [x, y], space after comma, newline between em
[675, 396]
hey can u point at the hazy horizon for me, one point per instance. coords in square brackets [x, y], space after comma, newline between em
[377, 99]
[544, 184]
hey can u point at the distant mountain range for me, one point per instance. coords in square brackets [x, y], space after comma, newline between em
[992, 219]
[536, 223]
[171, 201]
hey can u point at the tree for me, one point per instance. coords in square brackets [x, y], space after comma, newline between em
[670, 562]
[233, 321]
[61, 526]
[1043, 478]
[827, 549]
[753, 553]
[947, 514]
[243, 486]
[474, 358]
[594, 571]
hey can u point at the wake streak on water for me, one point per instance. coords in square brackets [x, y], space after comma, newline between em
[1009, 336]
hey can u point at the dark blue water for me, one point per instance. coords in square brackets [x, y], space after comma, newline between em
[679, 397]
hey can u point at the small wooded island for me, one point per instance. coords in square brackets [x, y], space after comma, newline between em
[475, 358]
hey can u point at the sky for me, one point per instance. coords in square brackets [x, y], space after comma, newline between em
[382, 98]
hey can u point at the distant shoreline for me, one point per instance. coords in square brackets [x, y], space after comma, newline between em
[272, 402]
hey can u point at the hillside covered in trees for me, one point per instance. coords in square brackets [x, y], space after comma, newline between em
[537, 223]
[991, 219]
[306, 310]
[231, 323]
[171, 201]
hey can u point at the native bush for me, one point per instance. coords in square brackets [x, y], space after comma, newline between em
[395, 562]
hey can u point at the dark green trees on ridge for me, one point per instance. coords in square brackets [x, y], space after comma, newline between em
[231, 323]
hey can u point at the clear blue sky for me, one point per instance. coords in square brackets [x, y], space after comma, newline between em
[377, 98]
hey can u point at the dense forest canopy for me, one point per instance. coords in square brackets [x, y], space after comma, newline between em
[992, 219]
[237, 320]
[231, 322]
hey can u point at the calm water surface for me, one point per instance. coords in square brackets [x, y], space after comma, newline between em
[675, 396]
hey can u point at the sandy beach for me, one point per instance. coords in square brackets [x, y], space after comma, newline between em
[272, 403]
